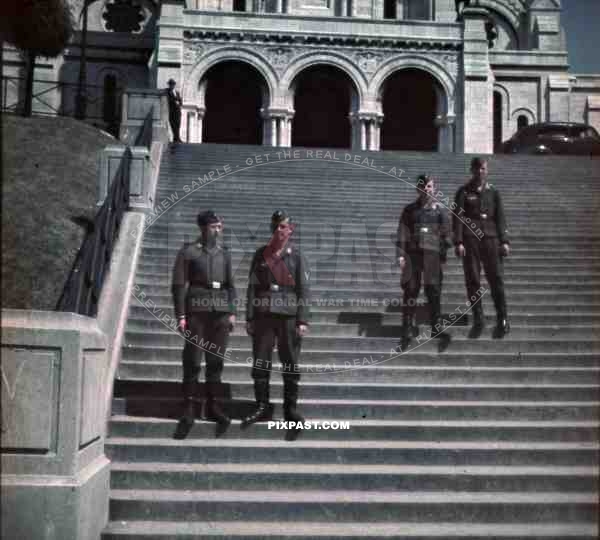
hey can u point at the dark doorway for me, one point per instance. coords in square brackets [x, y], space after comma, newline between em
[322, 106]
[409, 102]
[497, 121]
[522, 121]
[389, 9]
[234, 97]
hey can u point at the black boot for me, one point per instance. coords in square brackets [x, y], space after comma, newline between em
[407, 333]
[214, 411]
[189, 412]
[263, 408]
[441, 334]
[502, 326]
[290, 414]
[478, 322]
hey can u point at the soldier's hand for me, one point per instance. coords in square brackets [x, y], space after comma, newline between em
[182, 325]
[301, 330]
[460, 250]
[505, 249]
[250, 328]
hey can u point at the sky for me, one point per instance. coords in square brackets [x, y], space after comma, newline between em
[581, 21]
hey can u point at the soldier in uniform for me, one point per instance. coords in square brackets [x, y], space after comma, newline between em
[175, 103]
[205, 311]
[277, 309]
[481, 237]
[421, 248]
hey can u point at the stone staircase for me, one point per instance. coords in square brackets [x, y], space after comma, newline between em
[489, 439]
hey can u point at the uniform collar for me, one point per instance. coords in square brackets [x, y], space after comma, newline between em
[480, 189]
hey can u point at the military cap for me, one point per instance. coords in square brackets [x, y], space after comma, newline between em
[422, 181]
[278, 217]
[206, 218]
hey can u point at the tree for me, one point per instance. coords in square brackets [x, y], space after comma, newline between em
[38, 28]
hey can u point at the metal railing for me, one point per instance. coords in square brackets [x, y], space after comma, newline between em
[13, 100]
[81, 293]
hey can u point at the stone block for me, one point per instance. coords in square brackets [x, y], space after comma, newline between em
[29, 399]
[92, 381]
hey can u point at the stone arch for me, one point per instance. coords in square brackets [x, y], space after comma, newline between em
[193, 89]
[521, 111]
[508, 34]
[503, 91]
[506, 10]
[434, 68]
[322, 58]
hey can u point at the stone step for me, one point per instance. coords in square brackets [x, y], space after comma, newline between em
[168, 368]
[522, 265]
[376, 280]
[175, 236]
[346, 505]
[156, 248]
[250, 451]
[357, 409]
[243, 389]
[390, 298]
[344, 358]
[389, 478]
[139, 315]
[393, 430]
[377, 329]
[347, 231]
[384, 345]
[303, 530]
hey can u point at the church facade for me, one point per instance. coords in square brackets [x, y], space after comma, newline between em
[417, 75]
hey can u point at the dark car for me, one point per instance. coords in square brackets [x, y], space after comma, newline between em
[554, 138]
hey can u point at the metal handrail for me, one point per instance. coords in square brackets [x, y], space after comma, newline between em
[96, 96]
[82, 289]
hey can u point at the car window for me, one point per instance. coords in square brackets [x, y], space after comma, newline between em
[551, 131]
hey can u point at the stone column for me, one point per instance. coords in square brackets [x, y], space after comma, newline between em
[371, 131]
[477, 125]
[592, 111]
[378, 123]
[188, 123]
[445, 124]
[200, 111]
[278, 6]
[288, 129]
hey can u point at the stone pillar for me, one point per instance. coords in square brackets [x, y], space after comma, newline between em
[278, 6]
[478, 85]
[277, 127]
[288, 129]
[137, 104]
[378, 123]
[592, 111]
[188, 123]
[372, 143]
[200, 111]
[401, 9]
[445, 126]
[558, 98]
[366, 131]
[169, 41]
[55, 476]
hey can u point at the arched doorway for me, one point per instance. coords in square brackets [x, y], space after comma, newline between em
[323, 96]
[235, 93]
[411, 99]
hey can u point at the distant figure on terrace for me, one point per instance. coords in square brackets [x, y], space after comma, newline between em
[175, 104]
